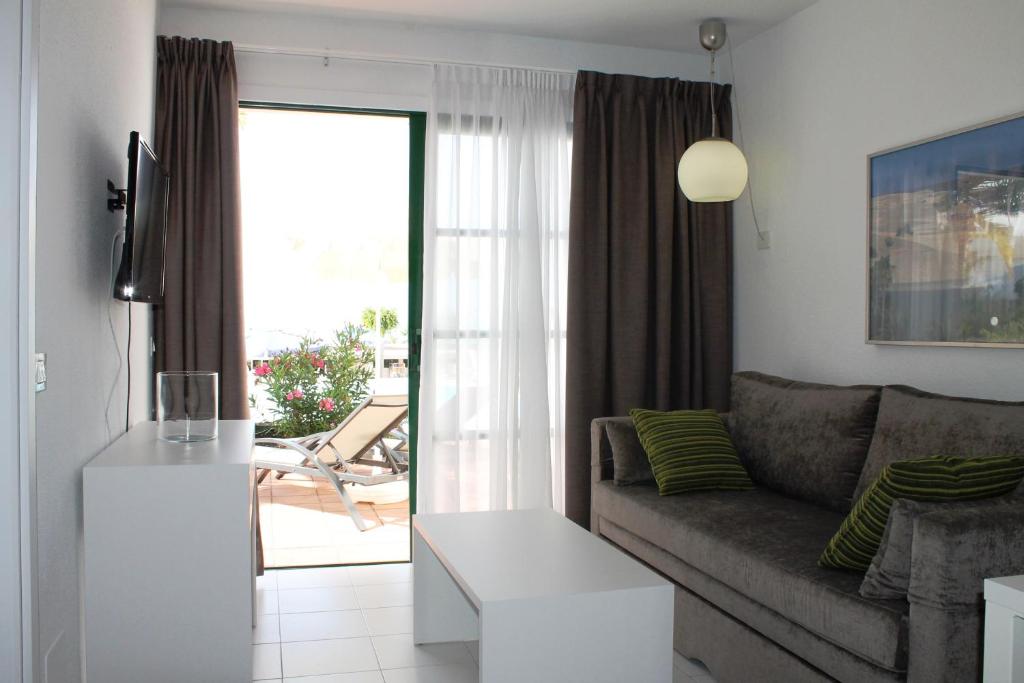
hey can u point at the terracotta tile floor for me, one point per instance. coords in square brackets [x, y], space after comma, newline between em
[304, 523]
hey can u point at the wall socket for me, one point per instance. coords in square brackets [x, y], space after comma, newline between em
[764, 239]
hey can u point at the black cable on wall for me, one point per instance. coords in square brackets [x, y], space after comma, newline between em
[128, 357]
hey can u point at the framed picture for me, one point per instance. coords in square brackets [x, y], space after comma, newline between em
[946, 239]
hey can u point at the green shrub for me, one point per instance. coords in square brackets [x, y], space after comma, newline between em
[315, 387]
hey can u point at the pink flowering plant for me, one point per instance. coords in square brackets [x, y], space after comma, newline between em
[316, 386]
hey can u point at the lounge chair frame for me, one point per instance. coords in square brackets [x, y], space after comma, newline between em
[338, 470]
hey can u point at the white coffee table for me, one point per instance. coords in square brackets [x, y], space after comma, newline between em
[547, 600]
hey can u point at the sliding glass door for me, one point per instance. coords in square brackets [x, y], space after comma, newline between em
[332, 210]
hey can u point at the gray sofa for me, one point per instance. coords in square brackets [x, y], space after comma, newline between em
[751, 601]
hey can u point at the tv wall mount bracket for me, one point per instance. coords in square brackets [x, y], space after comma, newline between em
[120, 198]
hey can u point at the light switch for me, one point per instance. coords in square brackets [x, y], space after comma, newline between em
[764, 239]
[40, 372]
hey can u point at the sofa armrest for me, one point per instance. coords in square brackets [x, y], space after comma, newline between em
[601, 448]
[601, 468]
[953, 552]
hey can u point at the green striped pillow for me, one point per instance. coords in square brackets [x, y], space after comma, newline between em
[689, 450]
[940, 478]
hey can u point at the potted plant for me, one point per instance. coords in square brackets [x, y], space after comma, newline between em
[388, 320]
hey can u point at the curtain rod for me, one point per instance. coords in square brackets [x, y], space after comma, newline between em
[328, 53]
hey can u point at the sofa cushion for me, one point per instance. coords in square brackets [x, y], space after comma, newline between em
[937, 479]
[916, 424]
[629, 461]
[689, 450]
[765, 546]
[806, 440]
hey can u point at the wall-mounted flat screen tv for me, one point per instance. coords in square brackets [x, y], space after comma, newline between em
[140, 276]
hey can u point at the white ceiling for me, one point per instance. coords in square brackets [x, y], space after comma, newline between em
[661, 24]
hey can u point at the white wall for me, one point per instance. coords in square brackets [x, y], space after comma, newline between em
[96, 74]
[350, 83]
[818, 93]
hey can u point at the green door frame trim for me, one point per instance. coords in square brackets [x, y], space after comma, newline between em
[417, 174]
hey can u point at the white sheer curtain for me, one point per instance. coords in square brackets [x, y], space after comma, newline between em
[495, 237]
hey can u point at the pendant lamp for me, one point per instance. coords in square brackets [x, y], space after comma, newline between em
[712, 169]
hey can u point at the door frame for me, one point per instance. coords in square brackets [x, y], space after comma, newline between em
[19, 570]
[417, 179]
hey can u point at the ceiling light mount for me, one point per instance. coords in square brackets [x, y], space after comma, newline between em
[712, 34]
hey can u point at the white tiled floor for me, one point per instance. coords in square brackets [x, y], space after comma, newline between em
[354, 625]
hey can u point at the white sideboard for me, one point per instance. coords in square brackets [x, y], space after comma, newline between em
[169, 558]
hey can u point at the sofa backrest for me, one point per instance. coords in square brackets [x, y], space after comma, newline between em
[916, 424]
[806, 440]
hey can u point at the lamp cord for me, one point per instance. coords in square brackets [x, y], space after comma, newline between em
[128, 363]
[739, 132]
[711, 96]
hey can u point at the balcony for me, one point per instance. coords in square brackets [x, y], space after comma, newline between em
[304, 523]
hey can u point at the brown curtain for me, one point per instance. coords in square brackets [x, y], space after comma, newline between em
[199, 326]
[650, 274]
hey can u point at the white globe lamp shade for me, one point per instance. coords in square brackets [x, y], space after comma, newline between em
[712, 170]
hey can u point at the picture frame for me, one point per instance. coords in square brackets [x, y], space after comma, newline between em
[945, 239]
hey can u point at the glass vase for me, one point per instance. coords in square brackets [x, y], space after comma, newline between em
[186, 405]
